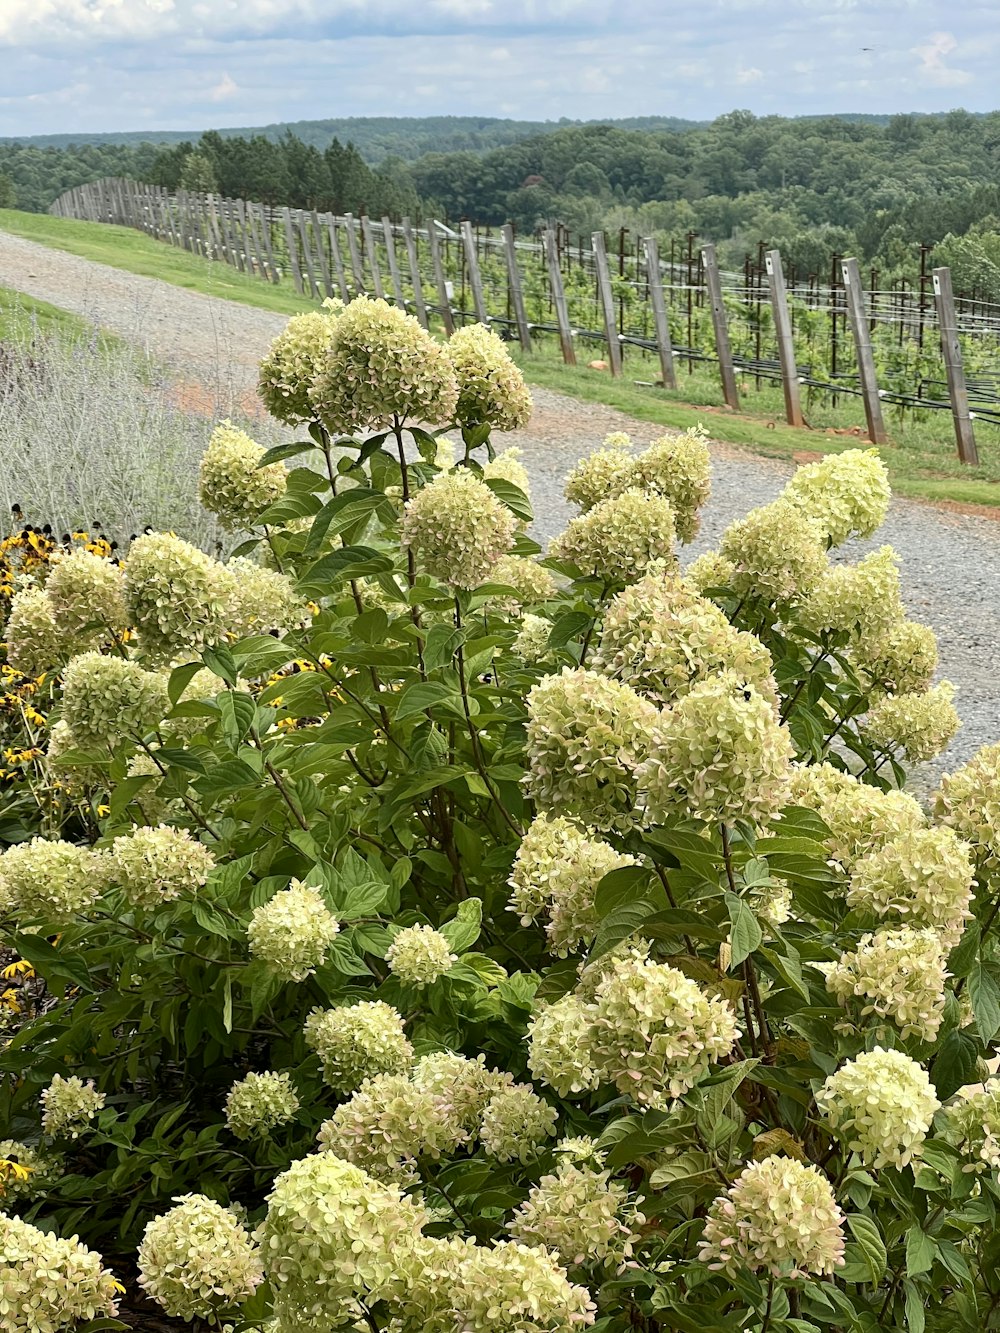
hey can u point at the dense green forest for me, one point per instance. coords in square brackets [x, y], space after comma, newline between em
[813, 187]
[876, 187]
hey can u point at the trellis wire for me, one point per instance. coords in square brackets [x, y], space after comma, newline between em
[438, 268]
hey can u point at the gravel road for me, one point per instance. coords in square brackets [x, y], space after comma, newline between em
[950, 561]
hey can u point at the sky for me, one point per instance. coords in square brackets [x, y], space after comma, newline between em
[97, 65]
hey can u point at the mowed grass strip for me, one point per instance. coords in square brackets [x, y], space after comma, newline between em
[921, 459]
[21, 315]
[135, 252]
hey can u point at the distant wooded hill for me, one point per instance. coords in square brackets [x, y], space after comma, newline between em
[375, 137]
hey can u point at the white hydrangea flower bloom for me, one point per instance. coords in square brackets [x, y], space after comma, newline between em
[652, 1030]
[924, 876]
[357, 1042]
[861, 818]
[292, 933]
[919, 725]
[620, 538]
[900, 660]
[881, 1104]
[896, 974]
[586, 737]
[862, 600]
[556, 872]
[465, 1085]
[49, 1283]
[259, 1103]
[516, 1123]
[777, 553]
[198, 1259]
[34, 642]
[679, 467]
[334, 1235]
[491, 389]
[389, 1125]
[178, 597]
[381, 365]
[69, 1105]
[232, 484]
[608, 471]
[974, 1124]
[663, 639]
[458, 529]
[155, 865]
[556, 1054]
[84, 589]
[51, 880]
[532, 642]
[720, 754]
[582, 1214]
[968, 801]
[419, 955]
[846, 494]
[294, 360]
[106, 698]
[779, 1217]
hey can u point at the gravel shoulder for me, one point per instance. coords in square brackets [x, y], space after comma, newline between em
[950, 561]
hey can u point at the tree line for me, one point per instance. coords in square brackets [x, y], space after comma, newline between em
[815, 187]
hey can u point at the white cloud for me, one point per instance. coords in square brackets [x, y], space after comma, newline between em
[51, 22]
[932, 67]
[463, 8]
[194, 64]
[224, 89]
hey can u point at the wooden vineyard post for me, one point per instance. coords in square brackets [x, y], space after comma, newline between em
[420, 306]
[338, 259]
[216, 245]
[514, 283]
[366, 231]
[442, 288]
[661, 323]
[863, 347]
[293, 262]
[786, 343]
[951, 348]
[721, 327]
[314, 289]
[393, 262]
[559, 297]
[258, 230]
[475, 277]
[317, 236]
[265, 234]
[607, 304]
[234, 246]
[357, 268]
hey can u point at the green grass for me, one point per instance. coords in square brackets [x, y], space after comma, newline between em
[135, 252]
[921, 458]
[20, 315]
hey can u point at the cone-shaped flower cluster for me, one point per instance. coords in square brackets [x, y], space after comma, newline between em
[458, 529]
[292, 933]
[778, 1217]
[232, 484]
[358, 1041]
[198, 1259]
[881, 1104]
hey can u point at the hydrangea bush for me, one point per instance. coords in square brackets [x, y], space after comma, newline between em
[449, 934]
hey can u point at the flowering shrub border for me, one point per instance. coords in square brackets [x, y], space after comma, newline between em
[439, 932]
